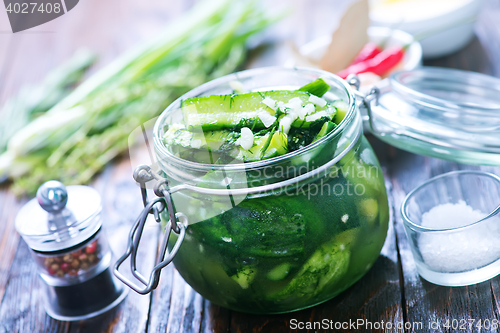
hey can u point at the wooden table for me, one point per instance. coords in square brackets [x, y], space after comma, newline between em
[390, 292]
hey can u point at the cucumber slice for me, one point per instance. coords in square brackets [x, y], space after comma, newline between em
[369, 209]
[325, 129]
[237, 110]
[317, 87]
[199, 144]
[342, 109]
[324, 268]
[245, 276]
[279, 272]
[277, 146]
[326, 113]
[178, 135]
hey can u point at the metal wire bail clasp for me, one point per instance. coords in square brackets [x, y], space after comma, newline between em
[373, 95]
[177, 224]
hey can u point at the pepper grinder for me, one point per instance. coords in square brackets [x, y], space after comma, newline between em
[63, 228]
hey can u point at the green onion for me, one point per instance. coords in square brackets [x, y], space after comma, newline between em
[33, 101]
[77, 137]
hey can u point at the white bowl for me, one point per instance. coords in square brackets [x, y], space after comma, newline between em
[450, 33]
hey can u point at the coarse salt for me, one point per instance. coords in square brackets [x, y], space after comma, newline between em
[463, 249]
[317, 100]
[196, 143]
[270, 103]
[316, 116]
[266, 118]
[285, 124]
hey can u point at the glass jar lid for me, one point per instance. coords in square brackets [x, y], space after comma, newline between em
[444, 113]
[59, 217]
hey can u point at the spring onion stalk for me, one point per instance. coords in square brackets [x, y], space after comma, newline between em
[76, 138]
[33, 101]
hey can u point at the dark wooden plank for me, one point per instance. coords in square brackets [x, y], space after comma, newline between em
[215, 318]
[9, 238]
[22, 309]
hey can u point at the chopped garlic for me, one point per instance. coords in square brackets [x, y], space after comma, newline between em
[285, 124]
[317, 100]
[292, 115]
[301, 113]
[196, 143]
[270, 102]
[246, 139]
[295, 102]
[295, 108]
[316, 116]
[266, 118]
[309, 109]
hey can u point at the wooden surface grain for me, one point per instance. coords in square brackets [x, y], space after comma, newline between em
[391, 291]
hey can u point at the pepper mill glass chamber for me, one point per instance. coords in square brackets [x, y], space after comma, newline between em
[271, 236]
[63, 228]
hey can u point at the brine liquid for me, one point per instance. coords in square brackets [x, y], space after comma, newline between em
[283, 253]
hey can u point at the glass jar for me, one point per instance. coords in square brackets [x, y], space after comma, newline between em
[277, 235]
[298, 229]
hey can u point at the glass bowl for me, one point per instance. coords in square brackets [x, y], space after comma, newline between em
[281, 234]
[453, 225]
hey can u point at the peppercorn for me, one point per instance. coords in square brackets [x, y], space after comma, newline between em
[92, 258]
[71, 263]
[73, 272]
[75, 264]
[65, 267]
[91, 247]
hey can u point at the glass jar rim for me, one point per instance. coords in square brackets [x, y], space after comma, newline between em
[241, 75]
[408, 222]
[401, 83]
